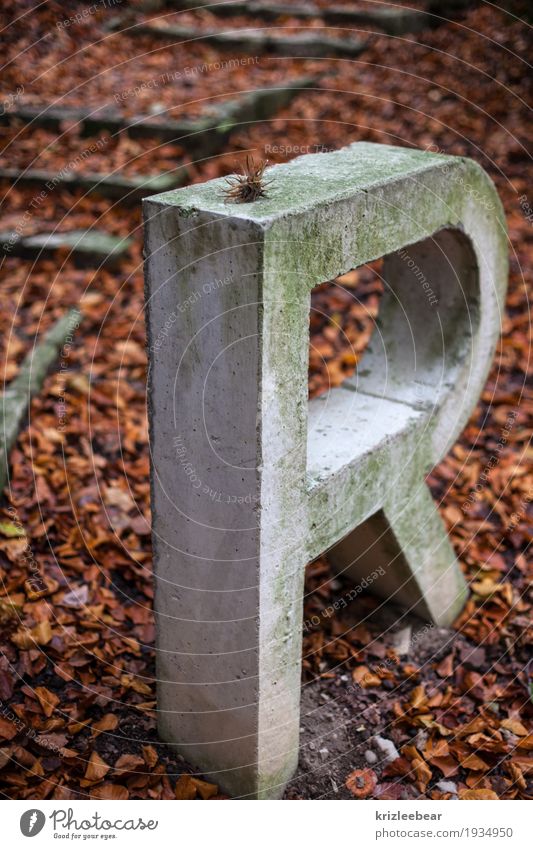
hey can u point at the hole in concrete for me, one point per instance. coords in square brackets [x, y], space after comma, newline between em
[341, 324]
[406, 367]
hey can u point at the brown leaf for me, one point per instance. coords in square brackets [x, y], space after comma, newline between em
[205, 789]
[128, 763]
[42, 633]
[399, 766]
[474, 762]
[150, 756]
[23, 639]
[136, 685]
[418, 697]
[185, 788]
[515, 727]
[365, 678]
[525, 765]
[7, 684]
[96, 768]
[390, 790]
[7, 729]
[108, 722]
[47, 700]
[477, 794]
[114, 792]
[39, 589]
[445, 667]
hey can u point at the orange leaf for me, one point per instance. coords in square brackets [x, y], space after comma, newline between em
[477, 794]
[361, 783]
[524, 764]
[128, 763]
[473, 762]
[447, 765]
[205, 789]
[436, 748]
[418, 697]
[365, 678]
[47, 700]
[42, 633]
[422, 772]
[96, 768]
[399, 766]
[116, 792]
[108, 722]
[185, 788]
[515, 727]
[526, 743]
[150, 755]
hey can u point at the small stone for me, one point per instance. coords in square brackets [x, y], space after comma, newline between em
[370, 757]
[401, 641]
[421, 739]
[447, 787]
[323, 753]
[387, 748]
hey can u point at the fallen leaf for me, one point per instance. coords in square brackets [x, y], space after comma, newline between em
[445, 667]
[96, 768]
[477, 794]
[8, 529]
[365, 678]
[185, 788]
[474, 762]
[114, 792]
[128, 763]
[108, 722]
[361, 783]
[7, 729]
[150, 756]
[47, 700]
[205, 789]
[515, 726]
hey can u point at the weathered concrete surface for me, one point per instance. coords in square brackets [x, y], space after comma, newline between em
[126, 189]
[252, 39]
[249, 480]
[85, 247]
[204, 135]
[15, 401]
[392, 20]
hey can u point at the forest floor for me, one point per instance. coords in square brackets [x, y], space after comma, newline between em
[406, 709]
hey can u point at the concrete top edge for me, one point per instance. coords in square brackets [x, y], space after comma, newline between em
[308, 181]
